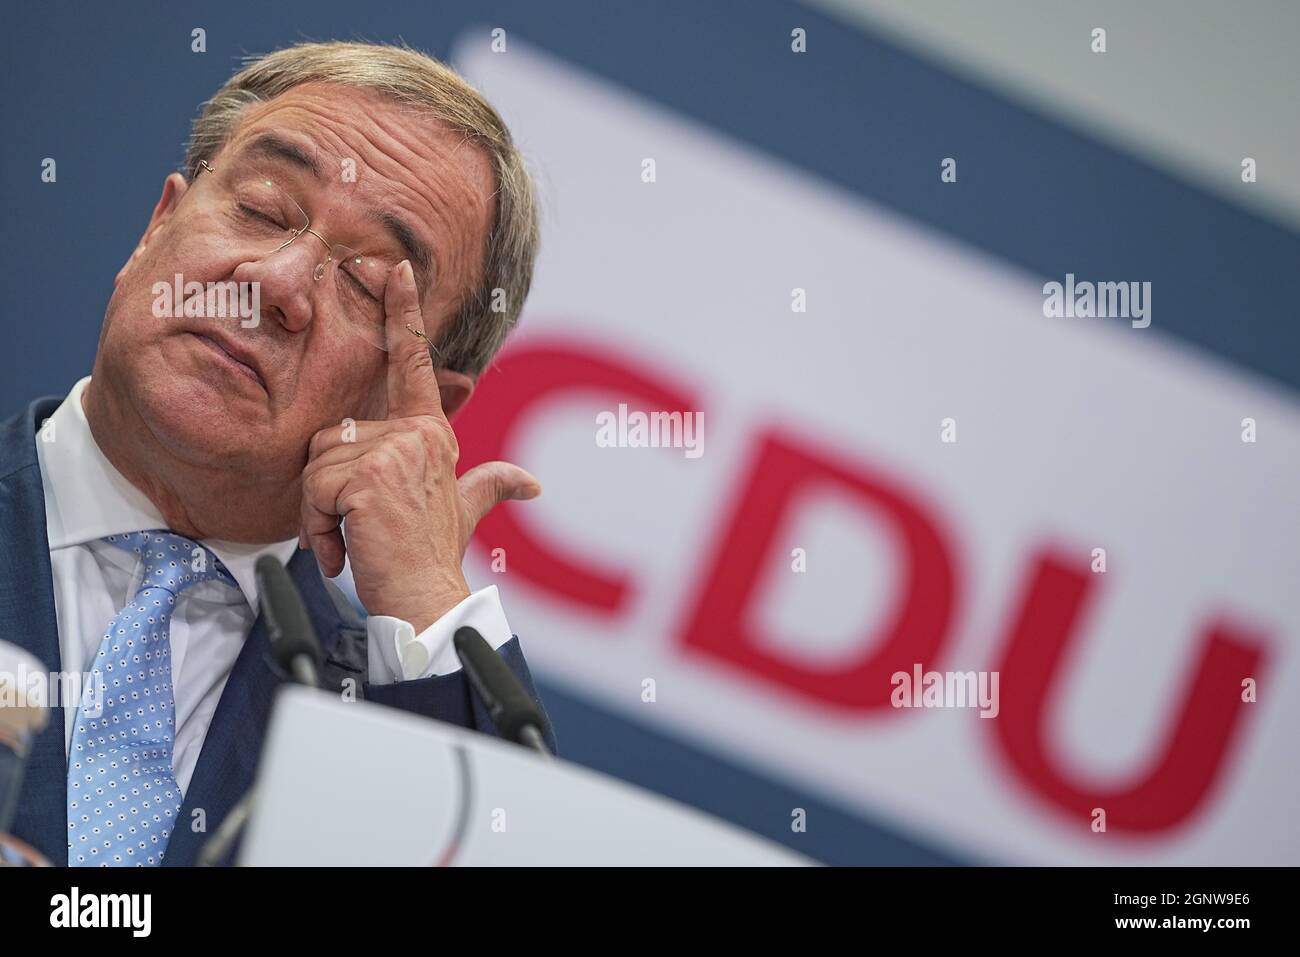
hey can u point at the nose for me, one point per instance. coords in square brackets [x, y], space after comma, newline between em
[284, 279]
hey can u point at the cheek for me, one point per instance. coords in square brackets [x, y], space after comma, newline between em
[343, 377]
[195, 243]
[189, 248]
[136, 313]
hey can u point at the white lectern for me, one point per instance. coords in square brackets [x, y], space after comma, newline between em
[351, 783]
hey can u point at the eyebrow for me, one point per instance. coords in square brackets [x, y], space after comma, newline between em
[271, 146]
[274, 147]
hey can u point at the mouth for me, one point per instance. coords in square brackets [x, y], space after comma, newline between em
[230, 356]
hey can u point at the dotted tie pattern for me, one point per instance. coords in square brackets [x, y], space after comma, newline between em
[123, 799]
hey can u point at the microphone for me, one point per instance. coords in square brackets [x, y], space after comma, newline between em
[294, 645]
[23, 715]
[295, 649]
[516, 716]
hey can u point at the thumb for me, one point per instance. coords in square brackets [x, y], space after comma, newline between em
[486, 485]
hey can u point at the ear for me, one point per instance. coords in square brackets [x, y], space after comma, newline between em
[454, 388]
[174, 187]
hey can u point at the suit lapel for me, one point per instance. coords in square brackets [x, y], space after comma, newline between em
[233, 743]
[27, 609]
[228, 762]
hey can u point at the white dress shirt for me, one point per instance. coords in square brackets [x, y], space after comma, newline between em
[86, 499]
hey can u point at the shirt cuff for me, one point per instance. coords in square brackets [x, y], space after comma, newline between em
[397, 653]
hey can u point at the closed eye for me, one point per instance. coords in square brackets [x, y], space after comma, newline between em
[251, 213]
[360, 286]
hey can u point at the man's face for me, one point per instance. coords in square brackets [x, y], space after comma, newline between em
[367, 170]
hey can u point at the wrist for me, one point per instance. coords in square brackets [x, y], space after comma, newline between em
[426, 607]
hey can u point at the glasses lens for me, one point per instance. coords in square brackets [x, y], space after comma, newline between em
[263, 212]
[359, 284]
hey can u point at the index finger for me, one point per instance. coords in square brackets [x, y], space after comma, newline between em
[412, 385]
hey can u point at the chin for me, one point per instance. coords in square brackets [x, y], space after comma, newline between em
[201, 419]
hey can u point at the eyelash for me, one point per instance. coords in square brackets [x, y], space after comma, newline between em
[257, 214]
[360, 288]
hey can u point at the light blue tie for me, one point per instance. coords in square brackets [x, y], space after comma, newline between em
[123, 798]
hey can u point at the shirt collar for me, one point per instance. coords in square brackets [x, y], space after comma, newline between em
[86, 498]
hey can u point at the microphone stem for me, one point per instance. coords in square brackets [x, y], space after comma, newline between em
[531, 737]
[304, 671]
[215, 848]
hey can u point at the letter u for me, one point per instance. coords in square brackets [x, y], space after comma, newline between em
[1194, 746]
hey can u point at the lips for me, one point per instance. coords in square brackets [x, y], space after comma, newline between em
[233, 356]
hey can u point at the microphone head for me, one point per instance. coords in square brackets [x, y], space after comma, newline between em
[507, 702]
[288, 626]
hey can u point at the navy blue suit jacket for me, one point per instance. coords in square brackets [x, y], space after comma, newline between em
[234, 740]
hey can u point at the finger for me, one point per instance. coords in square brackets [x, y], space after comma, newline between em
[486, 485]
[412, 386]
[350, 433]
[339, 455]
[321, 519]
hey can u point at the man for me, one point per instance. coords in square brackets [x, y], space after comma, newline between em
[375, 208]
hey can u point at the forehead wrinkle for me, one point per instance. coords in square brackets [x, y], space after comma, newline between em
[440, 145]
[431, 182]
[307, 135]
[452, 213]
[394, 164]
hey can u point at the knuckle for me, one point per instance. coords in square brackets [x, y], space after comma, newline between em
[311, 486]
[422, 435]
[447, 440]
[377, 464]
[403, 450]
[437, 437]
[425, 426]
[362, 499]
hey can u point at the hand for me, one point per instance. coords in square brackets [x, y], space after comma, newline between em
[409, 519]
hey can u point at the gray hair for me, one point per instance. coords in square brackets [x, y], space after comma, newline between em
[487, 312]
